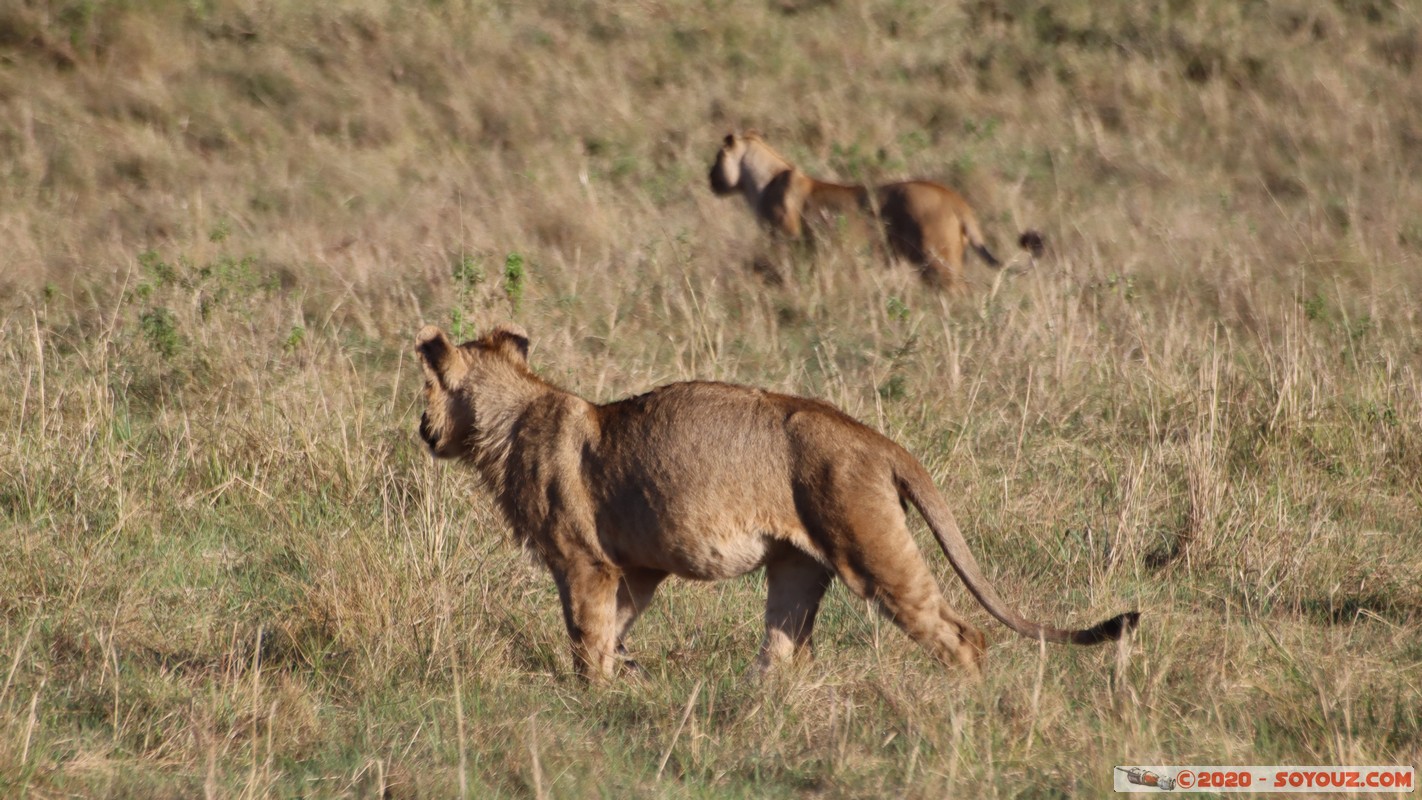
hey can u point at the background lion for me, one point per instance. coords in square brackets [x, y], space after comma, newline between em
[706, 481]
[926, 223]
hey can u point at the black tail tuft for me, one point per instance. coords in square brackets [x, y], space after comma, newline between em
[1032, 242]
[1108, 631]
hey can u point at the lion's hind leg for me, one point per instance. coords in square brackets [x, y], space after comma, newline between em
[941, 262]
[796, 584]
[938, 258]
[911, 599]
[943, 273]
[885, 566]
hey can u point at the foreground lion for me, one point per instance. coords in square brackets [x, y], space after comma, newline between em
[925, 223]
[707, 481]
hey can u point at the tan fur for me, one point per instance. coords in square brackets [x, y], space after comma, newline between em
[705, 481]
[926, 223]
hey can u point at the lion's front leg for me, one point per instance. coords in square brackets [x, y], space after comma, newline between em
[589, 594]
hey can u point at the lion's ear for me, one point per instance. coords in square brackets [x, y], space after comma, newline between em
[730, 140]
[512, 339]
[434, 349]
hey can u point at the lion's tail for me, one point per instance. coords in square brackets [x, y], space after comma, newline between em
[915, 484]
[974, 235]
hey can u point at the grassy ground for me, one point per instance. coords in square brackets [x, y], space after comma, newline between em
[227, 567]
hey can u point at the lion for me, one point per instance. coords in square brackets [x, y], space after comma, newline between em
[705, 481]
[925, 223]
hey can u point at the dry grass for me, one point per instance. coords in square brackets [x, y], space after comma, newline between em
[227, 567]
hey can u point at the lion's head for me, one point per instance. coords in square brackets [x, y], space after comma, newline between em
[457, 377]
[726, 170]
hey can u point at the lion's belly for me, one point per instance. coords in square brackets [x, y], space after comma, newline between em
[713, 558]
[710, 551]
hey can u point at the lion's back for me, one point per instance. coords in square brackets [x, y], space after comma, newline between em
[727, 436]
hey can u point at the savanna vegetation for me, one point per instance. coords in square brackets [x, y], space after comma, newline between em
[228, 568]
